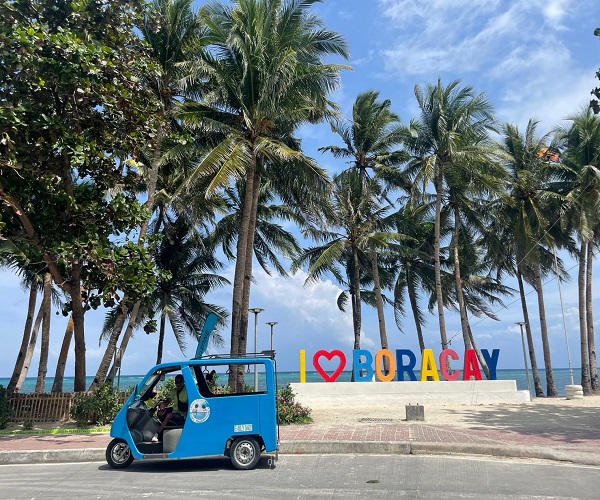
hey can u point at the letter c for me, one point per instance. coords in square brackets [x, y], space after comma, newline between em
[448, 353]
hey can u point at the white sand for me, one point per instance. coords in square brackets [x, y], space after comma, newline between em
[452, 414]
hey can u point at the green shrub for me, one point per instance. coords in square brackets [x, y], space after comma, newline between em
[98, 407]
[290, 412]
[221, 389]
[28, 425]
[5, 409]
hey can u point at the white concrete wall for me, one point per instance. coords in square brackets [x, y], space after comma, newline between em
[462, 391]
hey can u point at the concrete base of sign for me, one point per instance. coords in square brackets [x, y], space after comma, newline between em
[460, 391]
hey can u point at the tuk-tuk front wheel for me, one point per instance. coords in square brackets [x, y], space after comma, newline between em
[245, 453]
[118, 454]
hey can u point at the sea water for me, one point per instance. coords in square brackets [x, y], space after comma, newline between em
[562, 377]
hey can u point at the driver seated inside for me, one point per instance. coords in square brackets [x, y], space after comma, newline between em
[175, 415]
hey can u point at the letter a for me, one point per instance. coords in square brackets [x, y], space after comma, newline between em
[428, 366]
[471, 366]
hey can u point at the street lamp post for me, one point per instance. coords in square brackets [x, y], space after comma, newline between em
[256, 311]
[272, 324]
[521, 323]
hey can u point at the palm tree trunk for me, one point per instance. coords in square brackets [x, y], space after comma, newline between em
[40, 386]
[12, 384]
[412, 297]
[586, 383]
[380, 313]
[78, 329]
[30, 349]
[133, 323]
[537, 381]
[248, 275]
[464, 322]
[484, 366]
[550, 385]
[356, 304]
[439, 186]
[357, 312]
[239, 282]
[59, 376]
[161, 338]
[590, 320]
[109, 353]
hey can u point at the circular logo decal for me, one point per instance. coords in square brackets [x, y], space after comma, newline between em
[199, 411]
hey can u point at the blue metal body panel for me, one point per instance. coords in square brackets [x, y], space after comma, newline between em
[213, 420]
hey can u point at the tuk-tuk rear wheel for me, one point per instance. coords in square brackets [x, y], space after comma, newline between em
[245, 453]
[118, 454]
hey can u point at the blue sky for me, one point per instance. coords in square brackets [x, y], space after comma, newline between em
[532, 58]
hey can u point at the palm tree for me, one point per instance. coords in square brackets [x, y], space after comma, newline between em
[347, 240]
[179, 296]
[413, 258]
[27, 332]
[270, 239]
[371, 141]
[184, 262]
[581, 185]
[449, 140]
[468, 192]
[262, 76]
[525, 214]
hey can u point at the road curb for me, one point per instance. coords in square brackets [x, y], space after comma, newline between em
[40, 456]
[332, 447]
[336, 447]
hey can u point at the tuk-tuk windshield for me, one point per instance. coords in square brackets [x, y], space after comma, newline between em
[150, 382]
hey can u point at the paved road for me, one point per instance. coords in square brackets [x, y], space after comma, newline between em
[305, 477]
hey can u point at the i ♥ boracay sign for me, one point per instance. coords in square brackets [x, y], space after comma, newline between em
[401, 363]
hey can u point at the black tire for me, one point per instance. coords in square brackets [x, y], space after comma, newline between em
[245, 453]
[118, 454]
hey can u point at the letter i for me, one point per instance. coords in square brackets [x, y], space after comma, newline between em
[303, 366]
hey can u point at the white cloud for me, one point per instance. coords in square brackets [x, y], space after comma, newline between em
[554, 10]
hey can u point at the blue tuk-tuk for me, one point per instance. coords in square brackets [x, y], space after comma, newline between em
[238, 425]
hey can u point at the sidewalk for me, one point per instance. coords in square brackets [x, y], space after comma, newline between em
[552, 429]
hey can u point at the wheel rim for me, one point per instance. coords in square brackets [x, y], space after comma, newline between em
[244, 453]
[120, 453]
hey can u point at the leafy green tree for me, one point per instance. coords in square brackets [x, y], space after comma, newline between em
[172, 30]
[262, 77]
[75, 111]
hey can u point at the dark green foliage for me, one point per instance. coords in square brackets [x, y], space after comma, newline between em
[290, 412]
[76, 115]
[5, 409]
[99, 407]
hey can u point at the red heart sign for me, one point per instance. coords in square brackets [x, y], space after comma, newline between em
[329, 356]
